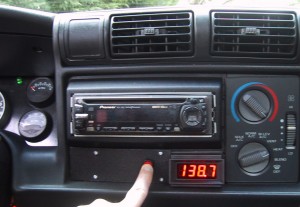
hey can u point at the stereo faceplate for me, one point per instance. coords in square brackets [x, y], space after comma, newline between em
[156, 114]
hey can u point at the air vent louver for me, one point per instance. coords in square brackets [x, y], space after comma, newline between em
[152, 35]
[254, 34]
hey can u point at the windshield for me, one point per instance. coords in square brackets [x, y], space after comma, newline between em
[86, 5]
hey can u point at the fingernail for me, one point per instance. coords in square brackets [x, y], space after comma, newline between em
[148, 168]
[148, 165]
[148, 162]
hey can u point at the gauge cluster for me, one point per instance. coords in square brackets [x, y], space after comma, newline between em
[27, 109]
[4, 110]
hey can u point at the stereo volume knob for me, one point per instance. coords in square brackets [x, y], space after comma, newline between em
[253, 158]
[254, 106]
[191, 116]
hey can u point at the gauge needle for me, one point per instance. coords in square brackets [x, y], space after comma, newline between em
[32, 87]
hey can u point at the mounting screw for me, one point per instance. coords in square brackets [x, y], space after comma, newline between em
[96, 152]
[95, 177]
[161, 180]
[160, 153]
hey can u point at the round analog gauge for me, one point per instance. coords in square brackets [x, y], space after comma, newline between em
[40, 90]
[3, 110]
[33, 124]
[2, 105]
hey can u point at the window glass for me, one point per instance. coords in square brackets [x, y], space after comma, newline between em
[84, 5]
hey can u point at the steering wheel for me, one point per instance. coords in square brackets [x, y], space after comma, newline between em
[5, 174]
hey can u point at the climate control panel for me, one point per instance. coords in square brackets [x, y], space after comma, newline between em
[261, 129]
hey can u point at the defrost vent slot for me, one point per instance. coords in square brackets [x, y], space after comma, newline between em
[254, 34]
[152, 35]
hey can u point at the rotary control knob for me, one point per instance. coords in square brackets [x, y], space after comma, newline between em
[191, 116]
[254, 106]
[253, 158]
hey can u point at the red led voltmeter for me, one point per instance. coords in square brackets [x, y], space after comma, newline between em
[196, 170]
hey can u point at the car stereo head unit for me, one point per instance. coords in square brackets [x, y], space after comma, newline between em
[168, 114]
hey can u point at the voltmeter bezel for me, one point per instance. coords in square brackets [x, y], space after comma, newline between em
[198, 160]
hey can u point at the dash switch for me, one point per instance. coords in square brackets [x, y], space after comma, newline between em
[291, 129]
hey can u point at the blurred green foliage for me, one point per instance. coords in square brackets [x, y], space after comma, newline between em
[83, 5]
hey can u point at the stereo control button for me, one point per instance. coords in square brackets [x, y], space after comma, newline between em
[159, 128]
[146, 128]
[128, 128]
[194, 101]
[168, 128]
[79, 124]
[81, 116]
[78, 108]
[98, 128]
[90, 129]
[191, 116]
[192, 123]
[177, 129]
[91, 122]
[110, 128]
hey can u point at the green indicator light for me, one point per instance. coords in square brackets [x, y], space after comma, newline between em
[19, 81]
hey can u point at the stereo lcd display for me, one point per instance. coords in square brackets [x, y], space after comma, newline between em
[136, 113]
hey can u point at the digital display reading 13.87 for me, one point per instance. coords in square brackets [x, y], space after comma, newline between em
[197, 171]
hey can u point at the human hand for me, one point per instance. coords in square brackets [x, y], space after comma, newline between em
[136, 195]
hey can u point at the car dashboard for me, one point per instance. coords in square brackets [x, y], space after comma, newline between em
[209, 95]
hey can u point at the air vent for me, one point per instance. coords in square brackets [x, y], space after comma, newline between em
[254, 34]
[152, 35]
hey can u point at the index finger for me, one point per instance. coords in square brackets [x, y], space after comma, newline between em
[139, 191]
